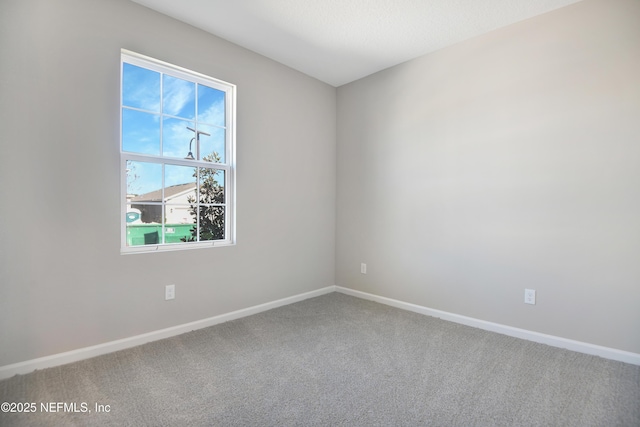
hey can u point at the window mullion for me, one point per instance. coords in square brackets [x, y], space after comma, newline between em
[162, 114]
[164, 204]
[197, 204]
[174, 161]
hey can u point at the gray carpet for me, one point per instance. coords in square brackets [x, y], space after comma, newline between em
[335, 360]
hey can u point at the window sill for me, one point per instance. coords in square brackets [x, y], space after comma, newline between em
[173, 247]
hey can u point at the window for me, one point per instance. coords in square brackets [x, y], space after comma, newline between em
[177, 157]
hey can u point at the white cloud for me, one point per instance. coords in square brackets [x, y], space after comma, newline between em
[178, 94]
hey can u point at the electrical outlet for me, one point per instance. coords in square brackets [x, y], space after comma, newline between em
[529, 296]
[363, 268]
[169, 292]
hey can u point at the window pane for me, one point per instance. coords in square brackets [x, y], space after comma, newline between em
[212, 147]
[180, 223]
[140, 132]
[211, 186]
[179, 97]
[180, 215]
[180, 184]
[211, 223]
[144, 234]
[143, 227]
[144, 182]
[176, 138]
[211, 105]
[140, 88]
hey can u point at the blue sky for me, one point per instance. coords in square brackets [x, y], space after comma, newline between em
[162, 107]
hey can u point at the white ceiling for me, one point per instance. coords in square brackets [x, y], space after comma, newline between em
[338, 41]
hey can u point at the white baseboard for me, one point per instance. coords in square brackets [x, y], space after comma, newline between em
[109, 347]
[581, 347]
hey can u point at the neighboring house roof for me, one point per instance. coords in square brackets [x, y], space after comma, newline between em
[170, 192]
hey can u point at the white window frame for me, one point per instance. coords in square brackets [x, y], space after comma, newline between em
[229, 166]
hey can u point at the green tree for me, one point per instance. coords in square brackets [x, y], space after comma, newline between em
[211, 192]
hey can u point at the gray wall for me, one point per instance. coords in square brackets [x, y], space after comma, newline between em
[63, 282]
[508, 161]
[505, 162]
